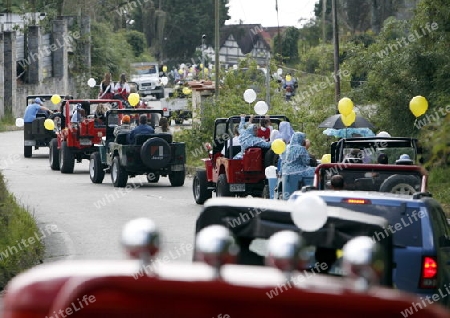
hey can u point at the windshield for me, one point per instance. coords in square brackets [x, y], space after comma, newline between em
[373, 180]
[371, 155]
[145, 69]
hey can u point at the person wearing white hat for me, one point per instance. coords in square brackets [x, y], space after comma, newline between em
[33, 109]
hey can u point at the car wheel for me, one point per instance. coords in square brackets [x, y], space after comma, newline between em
[401, 184]
[176, 178]
[152, 177]
[222, 187]
[53, 156]
[27, 151]
[96, 172]
[66, 159]
[200, 187]
[119, 176]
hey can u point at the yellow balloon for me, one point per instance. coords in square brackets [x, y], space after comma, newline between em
[349, 119]
[133, 99]
[164, 68]
[278, 146]
[288, 78]
[339, 253]
[201, 66]
[55, 99]
[345, 106]
[186, 90]
[418, 105]
[180, 71]
[326, 158]
[49, 124]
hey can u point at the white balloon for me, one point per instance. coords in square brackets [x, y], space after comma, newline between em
[261, 108]
[383, 134]
[235, 67]
[164, 80]
[91, 82]
[249, 95]
[279, 71]
[19, 122]
[311, 212]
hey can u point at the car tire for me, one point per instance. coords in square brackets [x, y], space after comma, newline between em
[401, 184]
[96, 172]
[176, 178]
[66, 159]
[119, 176]
[27, 151]
[151, 154]
[153, 177]
[53, 156]
[223, 187]
[200, 187]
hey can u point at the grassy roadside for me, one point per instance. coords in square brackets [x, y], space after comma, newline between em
[19, 247]
[439, 186]
[7, 123]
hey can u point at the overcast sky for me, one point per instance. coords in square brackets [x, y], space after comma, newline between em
[263, 12]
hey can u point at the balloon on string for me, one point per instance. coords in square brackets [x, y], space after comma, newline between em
[345, 106]
[278, 146]
[418, 105]
[180, 71]
[133, 99]
[349, 119]
[249, 95]
[186, 90]
[164, 80]
[261, 108]
[19, 122]
[49, 124]
[91, 82]
[164, 68]
[288, 78]
[326, 158]
[311, 212]
[55, 99]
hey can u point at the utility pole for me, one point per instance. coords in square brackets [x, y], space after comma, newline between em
[337, 77]
[324, 29]
[268, 80]
[217, 48]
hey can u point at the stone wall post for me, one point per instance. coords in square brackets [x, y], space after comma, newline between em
[9, 59]
[2, 78]
[60, 60]
[34, 54]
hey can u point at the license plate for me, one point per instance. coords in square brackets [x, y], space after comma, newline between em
[85, 142]
[177, 167]
[237, 187]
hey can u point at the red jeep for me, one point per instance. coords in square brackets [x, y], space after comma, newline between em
[227, 176]
[75, 138]
[212, 287]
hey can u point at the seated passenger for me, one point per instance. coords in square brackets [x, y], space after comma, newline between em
[286, 131]
[77, 114]
[163, 126]
[142, 129]
[125, 127]
[296, 160]
[383, 159]
[248, 138]
[404, 159]
[264, 130]
[99, 115]
[337, 182]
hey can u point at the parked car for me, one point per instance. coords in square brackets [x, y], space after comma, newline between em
[153, 155]
[35, 134]
[227, 176]
[419, 229]
[75, 140]
[210, 288]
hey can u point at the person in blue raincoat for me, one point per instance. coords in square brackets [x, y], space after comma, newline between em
[286, 131]
[248, 138]
[295, 165]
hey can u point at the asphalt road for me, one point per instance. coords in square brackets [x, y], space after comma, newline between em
[89, 217]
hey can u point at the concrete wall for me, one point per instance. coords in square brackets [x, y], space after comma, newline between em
[45, 62]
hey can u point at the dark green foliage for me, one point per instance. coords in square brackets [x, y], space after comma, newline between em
[16, 224]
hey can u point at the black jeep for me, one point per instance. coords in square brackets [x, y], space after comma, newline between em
[154, 155]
